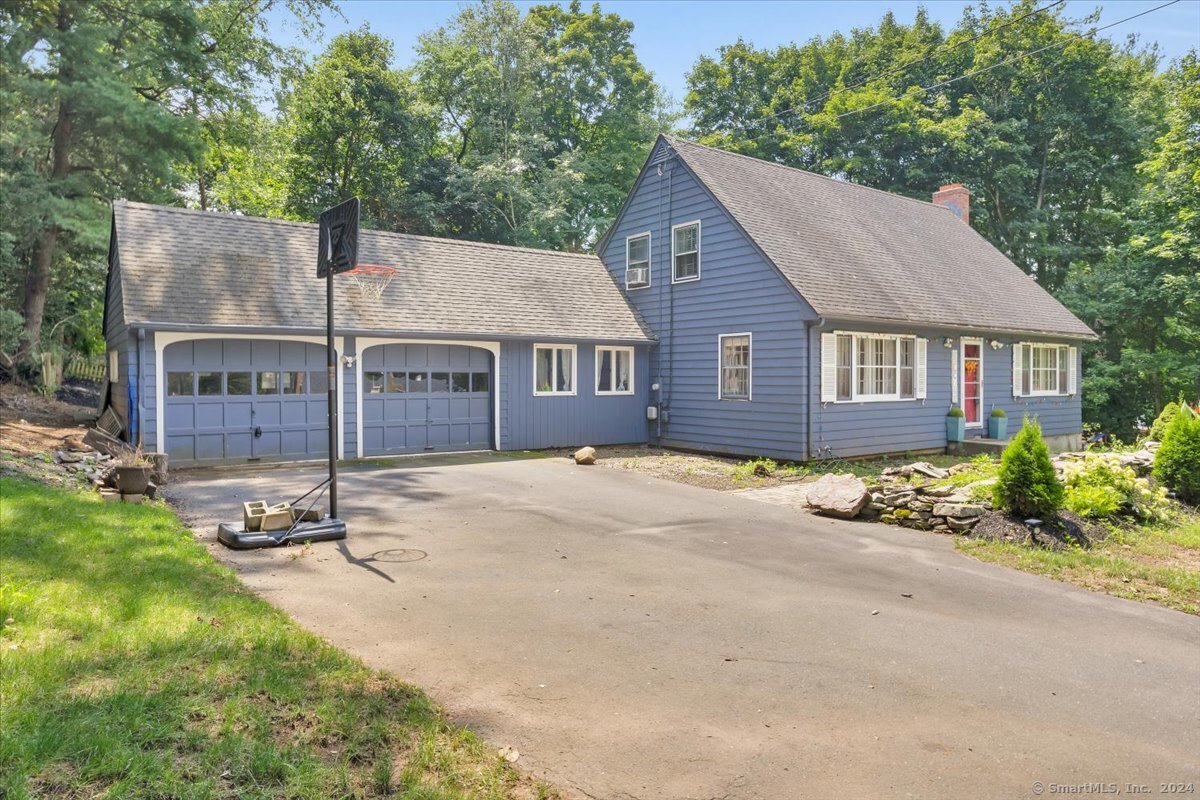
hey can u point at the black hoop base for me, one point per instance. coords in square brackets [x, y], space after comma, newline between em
[234, 535]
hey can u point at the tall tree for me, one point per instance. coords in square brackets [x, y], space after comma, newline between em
[1144, 297]
[90, 119]
[1047, 142]
[354, 128]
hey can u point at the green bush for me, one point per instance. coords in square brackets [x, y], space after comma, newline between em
[1177, 462]
[1159, 428]
[1098, 486]
[1026, 483]
[955, 411]
[998, 412]
[757, 468]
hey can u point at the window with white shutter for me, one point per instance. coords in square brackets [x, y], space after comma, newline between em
[865, 367]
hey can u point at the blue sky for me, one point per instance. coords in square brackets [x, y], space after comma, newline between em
[671, 34]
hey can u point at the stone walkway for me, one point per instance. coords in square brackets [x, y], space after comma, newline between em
[792, 495]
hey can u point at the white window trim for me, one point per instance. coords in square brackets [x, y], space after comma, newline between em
[649, 260]
[962, 376]
[632, 371]
[721, 366]
[1027, 364]
[114, 366]
[699, 257]
[554, 363]
[876, 398]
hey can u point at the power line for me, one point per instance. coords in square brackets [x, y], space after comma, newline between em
[1009, 60]
[903, 67]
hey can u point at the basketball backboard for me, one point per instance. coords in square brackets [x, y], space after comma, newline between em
[338, 242]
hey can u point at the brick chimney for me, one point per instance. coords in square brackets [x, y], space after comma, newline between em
[955, 197]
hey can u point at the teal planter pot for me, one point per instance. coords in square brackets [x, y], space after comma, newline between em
[956, 429]
[998, 427]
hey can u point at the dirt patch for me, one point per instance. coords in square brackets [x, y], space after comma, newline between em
[1068, 530]
[32, 425]
[694, 469]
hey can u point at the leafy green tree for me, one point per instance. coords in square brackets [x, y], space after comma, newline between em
[354, 127]
[1143, 297]
[88, 118]
[1027, 483]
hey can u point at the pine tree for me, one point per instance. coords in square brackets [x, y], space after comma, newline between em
[1027, 483]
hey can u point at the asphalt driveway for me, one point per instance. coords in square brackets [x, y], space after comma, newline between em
[633, 637]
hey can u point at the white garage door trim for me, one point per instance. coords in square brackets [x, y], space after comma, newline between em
[163, 340]
[361, 345]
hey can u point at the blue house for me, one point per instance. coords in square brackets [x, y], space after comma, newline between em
[735, 306]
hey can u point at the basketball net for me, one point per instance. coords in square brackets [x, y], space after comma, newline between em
[369, 280]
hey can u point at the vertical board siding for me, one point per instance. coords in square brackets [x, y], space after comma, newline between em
[149, 393]
[349, 401]
[738, 292]
[528, 422]
[866, 428]
[117, 336]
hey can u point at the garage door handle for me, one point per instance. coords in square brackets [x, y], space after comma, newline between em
[258, 432]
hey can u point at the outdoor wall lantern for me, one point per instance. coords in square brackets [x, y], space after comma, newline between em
[948, 342]
[348, 361]
[997, 344]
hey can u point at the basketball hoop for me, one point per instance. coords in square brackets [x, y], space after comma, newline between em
[370, 279]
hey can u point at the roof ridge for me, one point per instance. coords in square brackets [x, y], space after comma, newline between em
[296, 223]
[672, 140]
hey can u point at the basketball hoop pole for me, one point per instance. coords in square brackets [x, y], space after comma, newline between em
[331, 362]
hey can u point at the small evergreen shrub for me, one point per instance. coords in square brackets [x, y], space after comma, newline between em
[1177, 462]
[1026, 483]
[955, 411]
[998, 412]
[1159, 429]
[1098, 486]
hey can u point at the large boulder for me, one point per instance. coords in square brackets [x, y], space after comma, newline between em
[585, 456]
[842, 496]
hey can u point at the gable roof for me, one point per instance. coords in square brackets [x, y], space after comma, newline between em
[854, 252]
[181, 267]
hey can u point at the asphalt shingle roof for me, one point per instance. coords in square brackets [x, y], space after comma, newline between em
[198, 268]
[856, 252]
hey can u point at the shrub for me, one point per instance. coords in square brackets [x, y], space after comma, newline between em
[1099, 486]
[998, 412]
[1026, 483]
[1177, 462]
[759, 467]
[1159, 428]
[955, 411]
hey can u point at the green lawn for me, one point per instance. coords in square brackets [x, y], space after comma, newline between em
[1156, 563]
[133, 665]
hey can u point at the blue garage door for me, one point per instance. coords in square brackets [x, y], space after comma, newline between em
[426, 398]
[230, 401]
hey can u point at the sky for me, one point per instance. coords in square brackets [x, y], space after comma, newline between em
[671, 34]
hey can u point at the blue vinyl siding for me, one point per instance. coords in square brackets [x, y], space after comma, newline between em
[349, 404]
[529, 422]
[864, 428]
[738, 292]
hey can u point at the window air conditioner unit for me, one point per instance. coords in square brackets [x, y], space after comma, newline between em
[637, 276]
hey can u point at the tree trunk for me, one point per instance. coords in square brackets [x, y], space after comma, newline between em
[37, 280]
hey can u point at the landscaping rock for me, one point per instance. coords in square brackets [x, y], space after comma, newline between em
[957, 511]
[585, 456]
[960, 524]
[898, 500]
[928, 470]
[841, 496]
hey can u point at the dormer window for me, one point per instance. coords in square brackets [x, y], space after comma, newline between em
[637, 261]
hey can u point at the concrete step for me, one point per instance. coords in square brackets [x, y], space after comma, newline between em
[973, 447]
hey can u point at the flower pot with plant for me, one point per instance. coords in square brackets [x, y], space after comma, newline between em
[133, 471]
[998, 424]
[956, 424]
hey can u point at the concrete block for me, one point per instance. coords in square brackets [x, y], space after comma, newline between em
[133, 498]
[252, 514]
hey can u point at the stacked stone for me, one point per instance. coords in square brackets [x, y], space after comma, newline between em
[926, 508]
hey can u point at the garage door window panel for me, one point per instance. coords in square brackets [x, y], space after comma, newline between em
[479, 382]
[208, 384]
[397, 382]
[237, 383]
[439, 382]
[293, 382]
[180, 384]
[460, 381]
[318, 382]
[268, 383]
[373, 382]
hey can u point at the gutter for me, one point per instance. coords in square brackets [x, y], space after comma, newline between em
[950, 327]
[809, 325]
[174, 327]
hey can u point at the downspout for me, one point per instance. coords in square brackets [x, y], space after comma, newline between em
[136, 398]
[809, 325]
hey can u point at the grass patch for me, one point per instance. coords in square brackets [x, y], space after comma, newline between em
[136, 666]
[1155, 563]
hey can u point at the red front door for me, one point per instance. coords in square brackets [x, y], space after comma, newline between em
[972, 378]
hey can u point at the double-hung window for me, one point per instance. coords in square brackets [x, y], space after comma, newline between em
[866, 367]
[614, 370]
[685, 252]
[735, 367]
[1043, 369]
[637, 261]
[553, 369]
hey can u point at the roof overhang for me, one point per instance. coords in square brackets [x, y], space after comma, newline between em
[956, 328]
[244, 330]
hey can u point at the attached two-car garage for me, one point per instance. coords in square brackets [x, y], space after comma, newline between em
[230, 401]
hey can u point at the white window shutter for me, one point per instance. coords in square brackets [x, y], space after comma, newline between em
[1018, 368]
[828, 367]
[919, 382]
[954, 377]
[1072, 355]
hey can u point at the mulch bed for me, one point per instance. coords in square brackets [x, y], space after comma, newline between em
[1069, 529]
